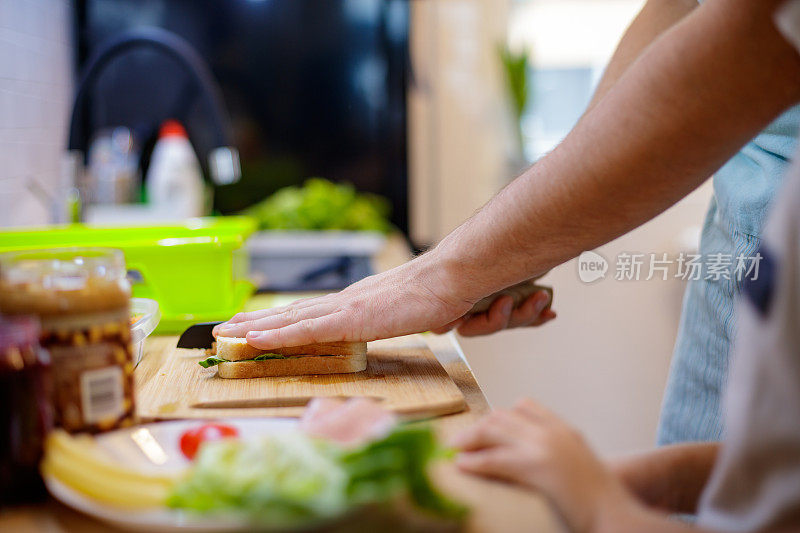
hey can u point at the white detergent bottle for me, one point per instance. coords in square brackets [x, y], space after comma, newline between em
[175, 187]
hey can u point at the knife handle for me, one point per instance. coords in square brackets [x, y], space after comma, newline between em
[519, 292]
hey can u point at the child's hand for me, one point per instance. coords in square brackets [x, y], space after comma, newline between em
[351, 423]
[530, 446]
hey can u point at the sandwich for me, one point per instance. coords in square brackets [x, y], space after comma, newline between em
[236, 359]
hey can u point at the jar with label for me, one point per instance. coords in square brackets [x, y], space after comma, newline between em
[81, 297]
[26, 414]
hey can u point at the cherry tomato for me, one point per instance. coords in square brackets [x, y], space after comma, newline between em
[193, 438]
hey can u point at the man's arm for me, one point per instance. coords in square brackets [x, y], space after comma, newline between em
[656, 17]
[686, 105]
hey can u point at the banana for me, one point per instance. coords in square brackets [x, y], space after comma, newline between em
[75, 462]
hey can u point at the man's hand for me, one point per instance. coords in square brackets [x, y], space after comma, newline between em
[530, 446]
[420, 295]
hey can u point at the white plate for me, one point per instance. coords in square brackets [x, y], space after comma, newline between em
[156, 448]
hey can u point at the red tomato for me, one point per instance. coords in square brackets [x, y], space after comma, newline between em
[193, 438]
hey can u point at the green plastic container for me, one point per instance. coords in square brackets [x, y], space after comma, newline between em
[196, 270]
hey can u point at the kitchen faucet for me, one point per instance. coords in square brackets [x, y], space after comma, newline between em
[223, 159]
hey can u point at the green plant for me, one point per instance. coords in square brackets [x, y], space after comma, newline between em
[515, 67]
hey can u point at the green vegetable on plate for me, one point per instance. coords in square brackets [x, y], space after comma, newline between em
[322, 205]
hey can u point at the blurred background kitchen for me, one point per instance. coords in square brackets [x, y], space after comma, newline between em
[431, 105]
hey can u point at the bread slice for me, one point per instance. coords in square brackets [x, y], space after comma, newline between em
[237, 349]
[294, 366]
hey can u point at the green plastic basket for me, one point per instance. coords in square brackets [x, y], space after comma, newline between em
[196, 270]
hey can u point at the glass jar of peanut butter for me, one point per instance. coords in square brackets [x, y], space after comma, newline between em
[81, 297]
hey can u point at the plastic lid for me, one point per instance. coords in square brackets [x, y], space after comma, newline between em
[172, 128]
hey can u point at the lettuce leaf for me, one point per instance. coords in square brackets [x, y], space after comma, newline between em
[211, 361]
[398, 463]
[215, 360]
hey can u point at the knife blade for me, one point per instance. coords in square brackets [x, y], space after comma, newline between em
[198, 335]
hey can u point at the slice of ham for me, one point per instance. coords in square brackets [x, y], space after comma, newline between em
[349, 423]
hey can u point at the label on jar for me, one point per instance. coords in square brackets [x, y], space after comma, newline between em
[93, 371]
[102, 394]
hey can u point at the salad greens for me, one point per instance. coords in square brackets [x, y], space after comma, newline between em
[398, 463]
[322, 205]
[215, 359]
[291, 480]
[283, 480]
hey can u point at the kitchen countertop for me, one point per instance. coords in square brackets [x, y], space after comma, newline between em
[495, 506]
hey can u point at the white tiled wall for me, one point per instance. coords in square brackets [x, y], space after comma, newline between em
[35, 93]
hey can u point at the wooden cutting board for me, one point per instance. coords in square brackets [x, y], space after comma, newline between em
[402, 373]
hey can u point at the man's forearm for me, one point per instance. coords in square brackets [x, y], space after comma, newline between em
[696, 95]
[655, 18]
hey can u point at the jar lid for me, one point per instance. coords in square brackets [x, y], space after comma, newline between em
[62, 268]
[63, 281]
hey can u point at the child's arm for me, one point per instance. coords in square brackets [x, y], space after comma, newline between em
[670, 478]
[530, 446]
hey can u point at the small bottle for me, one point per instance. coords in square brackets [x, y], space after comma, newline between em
[175, 187]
